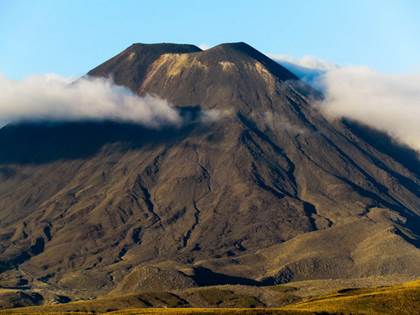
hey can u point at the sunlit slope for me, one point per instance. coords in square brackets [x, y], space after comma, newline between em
[400, 299]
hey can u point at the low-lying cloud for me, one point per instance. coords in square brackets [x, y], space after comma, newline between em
[51, 97]
[276, 122]
[390, 103]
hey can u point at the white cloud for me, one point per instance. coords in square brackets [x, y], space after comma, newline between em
[307, 68]
[50, 97]
[278, 123]
[204, 46]
[213, 115]
[390, 103]
[307, 61]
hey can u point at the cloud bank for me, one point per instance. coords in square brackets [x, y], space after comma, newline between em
[50, 97]
[390, 103]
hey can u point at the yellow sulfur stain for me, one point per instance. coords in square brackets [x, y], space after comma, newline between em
[266, 75]
[172, 65]
[227, 65]
[131, 56]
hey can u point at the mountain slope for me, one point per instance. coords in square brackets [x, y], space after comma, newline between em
[268, 192]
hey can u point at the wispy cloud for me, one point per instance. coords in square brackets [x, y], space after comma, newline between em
[307, 61]
[50, 97]
[277, 123]
[308, 68]
[204, 46]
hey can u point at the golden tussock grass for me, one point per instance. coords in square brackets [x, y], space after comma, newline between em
[397, 299]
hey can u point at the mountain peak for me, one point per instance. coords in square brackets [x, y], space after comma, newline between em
[129, 67]
[243, 51]
[239, 46]
[140, 66]
[164, 48]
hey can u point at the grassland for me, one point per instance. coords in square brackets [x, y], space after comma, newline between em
[212, 311]
[171, 311]
[396, 299]
[399, 299]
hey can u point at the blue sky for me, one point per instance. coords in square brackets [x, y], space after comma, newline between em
[71, 37]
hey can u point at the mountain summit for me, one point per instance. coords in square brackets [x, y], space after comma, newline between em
[269, 192]
[186, 75]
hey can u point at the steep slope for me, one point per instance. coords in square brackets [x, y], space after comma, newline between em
[87, 207]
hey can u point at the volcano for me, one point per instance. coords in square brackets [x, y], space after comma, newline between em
[267, 192]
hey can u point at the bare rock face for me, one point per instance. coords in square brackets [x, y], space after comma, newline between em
[268, 192]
